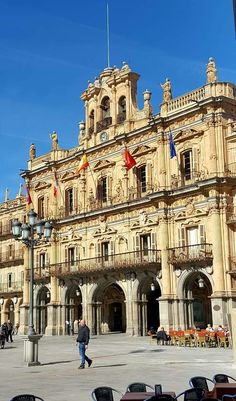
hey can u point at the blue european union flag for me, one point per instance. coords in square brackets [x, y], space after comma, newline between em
[172, 147]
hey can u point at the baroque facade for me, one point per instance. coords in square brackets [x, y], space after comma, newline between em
[152, 245]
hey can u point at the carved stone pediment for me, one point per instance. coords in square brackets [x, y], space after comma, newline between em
[41, 185]
[108, 231]
[142, 150]
[137, 225]
[69, 175]
[103, 164]
[187, 133]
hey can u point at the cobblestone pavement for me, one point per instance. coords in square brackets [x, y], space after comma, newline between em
[117, 361]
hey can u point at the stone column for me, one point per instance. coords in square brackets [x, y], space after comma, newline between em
[135, 317]
[218, 268]
[211, 145]
[52, 322]
[161, 160]
[233, 334]
[165, 269]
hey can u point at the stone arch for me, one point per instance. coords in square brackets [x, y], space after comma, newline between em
[196, 303]
[149, 289]
[73, 307]
[43, 298]
[108, 298]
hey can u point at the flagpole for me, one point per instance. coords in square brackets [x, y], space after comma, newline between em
[108, 38]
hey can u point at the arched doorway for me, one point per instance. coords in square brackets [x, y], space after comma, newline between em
[109, 310]
[43, 299]
[73, 308]
[149, 314]
[197, 292]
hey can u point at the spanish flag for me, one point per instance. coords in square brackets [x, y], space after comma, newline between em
[129, 160]
[55, 185]
[82, 165]
[28, 197]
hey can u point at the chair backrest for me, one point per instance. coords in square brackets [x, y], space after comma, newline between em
[161, 397]
[222, 378]
[26, 397]
[138, 387]
[229, 397]
[200, 382]
[104, 393]
[194, 394]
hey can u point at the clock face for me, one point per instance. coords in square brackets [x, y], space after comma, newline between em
[103, 136]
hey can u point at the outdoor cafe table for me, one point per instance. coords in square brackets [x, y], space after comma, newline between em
[223, 388]
[132, 396]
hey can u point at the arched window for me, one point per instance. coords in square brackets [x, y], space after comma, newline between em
[121, 110]
[105, 106]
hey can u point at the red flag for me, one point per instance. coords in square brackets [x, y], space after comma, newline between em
[55, 185]
[129, 160]
[28, 197]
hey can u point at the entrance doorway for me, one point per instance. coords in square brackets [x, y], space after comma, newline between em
[41, 310]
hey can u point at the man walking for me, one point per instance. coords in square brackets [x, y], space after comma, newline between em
[83, 340]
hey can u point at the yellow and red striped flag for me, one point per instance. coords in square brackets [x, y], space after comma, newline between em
[82, 165]
[28, 197]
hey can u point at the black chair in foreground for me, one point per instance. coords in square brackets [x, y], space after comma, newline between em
[192, 394]
[26, 397]
[200, 382]
[229, 397]
[210, 399]
[223, 378]
[105, 394]
[161, 397]
[139, 388]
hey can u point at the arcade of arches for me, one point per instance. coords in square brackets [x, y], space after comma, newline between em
[130, 305]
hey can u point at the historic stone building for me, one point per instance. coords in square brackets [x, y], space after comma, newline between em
[139, 247]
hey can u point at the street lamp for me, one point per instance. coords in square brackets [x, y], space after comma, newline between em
[31, 234]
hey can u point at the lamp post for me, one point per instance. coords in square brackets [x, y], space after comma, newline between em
[31, 234]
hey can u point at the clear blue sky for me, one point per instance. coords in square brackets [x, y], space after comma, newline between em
[49, 49]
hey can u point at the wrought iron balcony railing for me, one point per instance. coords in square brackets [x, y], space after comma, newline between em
[15, 256]
[195, 255]
[121, 118]
[125, 261]
[103, 124]
[15, 286]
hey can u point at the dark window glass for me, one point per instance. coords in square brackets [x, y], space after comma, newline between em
[71, 254]
[69, 200]
[104, 189]
[187, 165]
[105, 250]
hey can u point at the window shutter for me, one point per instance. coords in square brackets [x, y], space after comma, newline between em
[149, 176]
[112, 247]
[202, 236]
[99, 191]
[46, 259]
[195, 163]
[99, 250]
[153, 241]
[75, 200]
[109, 188]
[66, 254]
[182, 236]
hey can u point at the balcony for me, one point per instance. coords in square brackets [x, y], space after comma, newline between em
[40, 273]
[16, 286]
[231, 214]
[199, 255]
[103, 124]
[12, 258]
[150, 258]
[121, 118]
[91, 130]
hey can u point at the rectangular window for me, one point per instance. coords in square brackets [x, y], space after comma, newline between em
[187, 165]
[42, 260]
[71, 255]
[9, 280]
[105, 251]
[145, 244]
[10, 251]
[41, 206]
[142, 179]
[69, 200]
[104, 189]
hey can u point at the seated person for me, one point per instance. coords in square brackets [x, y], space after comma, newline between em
[151, 331]
[162, 335]
[209, 328]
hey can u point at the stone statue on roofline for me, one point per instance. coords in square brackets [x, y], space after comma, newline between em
[167, 95]
[211, 71]
[32, 151]
[54, 139]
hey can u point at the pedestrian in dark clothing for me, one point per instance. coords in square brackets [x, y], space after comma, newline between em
[10, 329]
[82, 341]
[5, 330]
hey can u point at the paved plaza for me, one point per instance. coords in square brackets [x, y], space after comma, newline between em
[117, 361]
